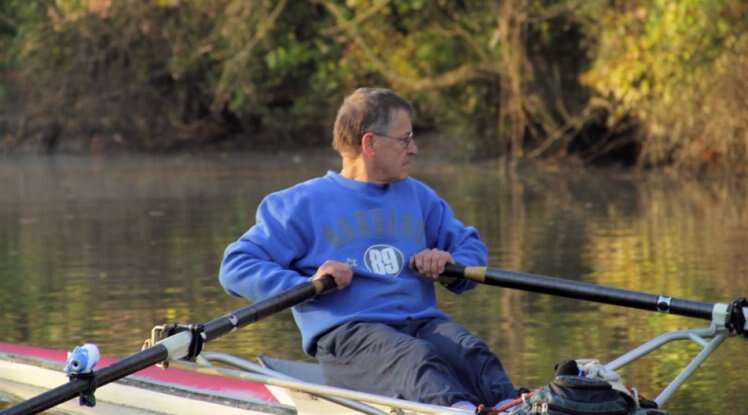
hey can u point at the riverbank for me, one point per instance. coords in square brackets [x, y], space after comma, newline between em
[81, 136]
[21, 137]
[561, 81]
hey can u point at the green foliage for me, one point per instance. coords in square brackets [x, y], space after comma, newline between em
[438, 53]
[17, 17]
[505, 75]
[163, 72]
[670, 64]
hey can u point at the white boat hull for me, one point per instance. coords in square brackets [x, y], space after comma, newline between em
[24, 375]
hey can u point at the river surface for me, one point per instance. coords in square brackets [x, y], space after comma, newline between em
[101, 249]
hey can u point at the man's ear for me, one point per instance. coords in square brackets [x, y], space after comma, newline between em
[367, 144]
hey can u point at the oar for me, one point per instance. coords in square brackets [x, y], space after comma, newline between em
[733, 315]
[174, 347]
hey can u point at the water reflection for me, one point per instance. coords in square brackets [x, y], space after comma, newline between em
[100, 250]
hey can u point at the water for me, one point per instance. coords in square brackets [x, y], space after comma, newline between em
[101, 249]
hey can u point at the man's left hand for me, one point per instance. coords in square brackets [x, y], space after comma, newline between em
[430, 262]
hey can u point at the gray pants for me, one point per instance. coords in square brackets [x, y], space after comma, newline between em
[430, 360]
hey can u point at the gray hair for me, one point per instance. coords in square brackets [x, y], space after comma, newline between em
[365, 110]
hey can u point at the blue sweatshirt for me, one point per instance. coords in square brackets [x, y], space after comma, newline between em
[375, 228]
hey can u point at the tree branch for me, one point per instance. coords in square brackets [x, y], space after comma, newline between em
[360, 18]
[450, 78]
[8, 23]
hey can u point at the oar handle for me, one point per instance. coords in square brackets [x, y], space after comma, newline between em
[324, 284]
[732, 316]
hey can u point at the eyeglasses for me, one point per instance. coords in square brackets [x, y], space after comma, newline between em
[404, 141]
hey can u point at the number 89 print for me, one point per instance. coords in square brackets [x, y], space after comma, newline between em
[384, 260]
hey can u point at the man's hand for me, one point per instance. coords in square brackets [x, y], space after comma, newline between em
[340, 271]
[430, 262]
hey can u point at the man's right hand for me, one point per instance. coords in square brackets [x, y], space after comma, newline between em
[341, 272]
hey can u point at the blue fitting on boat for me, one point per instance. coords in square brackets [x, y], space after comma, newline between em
[82, 359]
[79, 366]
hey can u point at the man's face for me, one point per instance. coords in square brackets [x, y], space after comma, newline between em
[394, 149]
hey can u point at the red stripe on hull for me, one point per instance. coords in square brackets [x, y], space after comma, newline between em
[175, 376]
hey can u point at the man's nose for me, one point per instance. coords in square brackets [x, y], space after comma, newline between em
[412, 148]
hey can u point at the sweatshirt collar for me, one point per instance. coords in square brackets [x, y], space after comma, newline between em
[373, 188]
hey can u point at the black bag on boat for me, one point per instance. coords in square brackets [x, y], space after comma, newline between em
[576, 395]
[570, 393]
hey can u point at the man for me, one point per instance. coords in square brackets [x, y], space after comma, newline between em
[381, 331]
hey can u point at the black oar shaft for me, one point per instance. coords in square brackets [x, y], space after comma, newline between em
[247, 315]
[168, 350]
[582, 290]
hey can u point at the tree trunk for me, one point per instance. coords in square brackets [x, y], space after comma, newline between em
[509, 33]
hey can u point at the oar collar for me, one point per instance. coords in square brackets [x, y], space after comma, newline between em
[738, 317]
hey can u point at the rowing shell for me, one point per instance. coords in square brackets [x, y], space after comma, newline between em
[187, 388]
